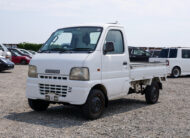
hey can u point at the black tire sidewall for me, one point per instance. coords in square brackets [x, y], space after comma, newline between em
[87, 107]
[23, 62]
[38, 105]
[152, 91]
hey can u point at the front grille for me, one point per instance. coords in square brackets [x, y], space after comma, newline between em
[58, 90]
[53, 77]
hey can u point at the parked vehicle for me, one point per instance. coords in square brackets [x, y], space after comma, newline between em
[155, 53]
[138, 55]
[19, 59]
[5, 64]
[89, 66]
[5, 52]
[33, 52]
[26, 52]
[178, 61]
[19, 52]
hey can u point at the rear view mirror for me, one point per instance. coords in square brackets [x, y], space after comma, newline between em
[109, 47]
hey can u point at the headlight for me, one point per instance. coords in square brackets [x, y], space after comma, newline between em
[79, 73]
[32, 71]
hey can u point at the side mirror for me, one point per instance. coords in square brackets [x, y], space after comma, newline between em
[109, 47]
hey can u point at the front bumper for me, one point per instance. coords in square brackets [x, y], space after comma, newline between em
[7, 66]
[76, 94]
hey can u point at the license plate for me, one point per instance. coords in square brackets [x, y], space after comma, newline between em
[52, 97]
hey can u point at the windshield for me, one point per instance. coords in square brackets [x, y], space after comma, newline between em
[4, 48]
[164, 53]
[77, 39]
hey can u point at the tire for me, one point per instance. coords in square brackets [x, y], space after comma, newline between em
[23, 62]
[176, 72]
[152, 93]
[38, 105]
[95, 104]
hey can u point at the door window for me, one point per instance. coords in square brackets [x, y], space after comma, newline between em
[185, 53]
[173, 53]
[116, 37]
[164, 53]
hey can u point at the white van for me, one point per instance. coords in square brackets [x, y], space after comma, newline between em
[178, 60]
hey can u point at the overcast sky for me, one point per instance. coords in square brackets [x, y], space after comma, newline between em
[147, 22]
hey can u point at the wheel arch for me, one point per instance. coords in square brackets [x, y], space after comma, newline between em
[157, 80]
[104, 90]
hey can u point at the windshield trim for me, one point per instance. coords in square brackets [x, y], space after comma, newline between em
[102, 29]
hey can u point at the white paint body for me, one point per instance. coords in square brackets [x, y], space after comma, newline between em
[113, 75]
[182, 63]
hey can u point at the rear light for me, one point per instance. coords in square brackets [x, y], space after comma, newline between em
[167, 62]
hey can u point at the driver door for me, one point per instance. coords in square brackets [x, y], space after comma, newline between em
[115, 66]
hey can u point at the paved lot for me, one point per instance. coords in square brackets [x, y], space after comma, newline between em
[128, 117]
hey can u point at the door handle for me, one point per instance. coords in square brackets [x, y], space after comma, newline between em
[124, 63]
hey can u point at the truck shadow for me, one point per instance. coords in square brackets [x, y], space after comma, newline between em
[67, 116]
[5, 71]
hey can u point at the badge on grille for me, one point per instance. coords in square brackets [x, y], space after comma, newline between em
[52, 71]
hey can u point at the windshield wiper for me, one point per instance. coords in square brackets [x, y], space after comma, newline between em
[90, 50]
[44, 51]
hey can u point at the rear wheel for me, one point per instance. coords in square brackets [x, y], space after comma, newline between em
[176, 72]
[152, 93]
[95, 104]
[38, 105]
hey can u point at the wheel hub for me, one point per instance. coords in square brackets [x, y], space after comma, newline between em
[96, 105]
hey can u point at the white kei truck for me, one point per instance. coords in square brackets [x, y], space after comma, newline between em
[88, 65]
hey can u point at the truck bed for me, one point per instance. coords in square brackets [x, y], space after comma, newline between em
[142, 71]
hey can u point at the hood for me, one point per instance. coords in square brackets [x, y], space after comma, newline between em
[55, 61]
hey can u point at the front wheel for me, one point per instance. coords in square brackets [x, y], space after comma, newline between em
[152, 93]
[38, 105]
[23, 62]
[95, 104]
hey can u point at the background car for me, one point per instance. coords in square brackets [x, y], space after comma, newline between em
[33, 52]
[155, 53]
[26, 52]
[5, 52]
[138, 55]
[5, 64]
[19, 59]
[19, 52]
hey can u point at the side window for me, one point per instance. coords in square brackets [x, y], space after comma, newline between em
[173, 53]
[185, 53]
[116, 37]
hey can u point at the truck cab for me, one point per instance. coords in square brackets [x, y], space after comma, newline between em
[87, 65]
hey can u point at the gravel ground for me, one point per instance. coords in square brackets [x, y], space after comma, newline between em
[128, 117]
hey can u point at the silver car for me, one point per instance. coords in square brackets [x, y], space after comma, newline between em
[5, 52]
